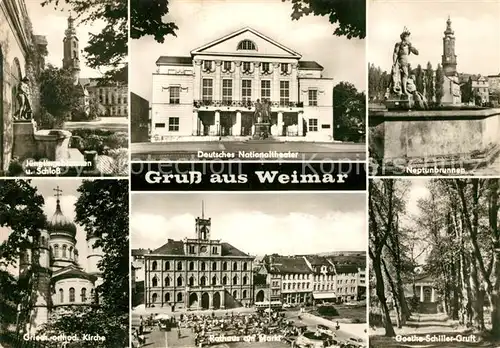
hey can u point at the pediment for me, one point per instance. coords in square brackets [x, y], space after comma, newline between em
[228, 45]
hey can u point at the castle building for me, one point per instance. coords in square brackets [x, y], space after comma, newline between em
[71, 59]
[451, 83]
[60, 280]
[214, 91]
[198, 273]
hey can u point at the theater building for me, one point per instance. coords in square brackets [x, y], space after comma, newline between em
[212, 93]
[198, 273]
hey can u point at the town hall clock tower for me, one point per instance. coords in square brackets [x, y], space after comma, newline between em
[449, 59]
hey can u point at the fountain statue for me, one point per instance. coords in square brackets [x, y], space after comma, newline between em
[24, 112]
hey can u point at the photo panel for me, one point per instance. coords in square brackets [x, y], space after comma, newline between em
[64, 256]
[233, 269]
[248, 80]
[64, 88]
[434, 87]
[434, 262]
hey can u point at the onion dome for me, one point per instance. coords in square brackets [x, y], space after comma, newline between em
[59, 222]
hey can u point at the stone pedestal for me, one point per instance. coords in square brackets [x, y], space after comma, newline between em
[262, 131]
[24, 140]
[53, 144]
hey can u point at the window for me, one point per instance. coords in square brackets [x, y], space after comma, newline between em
[155, 281]
[207, 65]
[224, 280]
[235, 266]
[191, 281]
[167, 266]
[235, 280]
[159, 125]
[284, 92]
[313, 97]
[245, 266]
[167, 281]
[247, 45]
[207, 89]
[246, 66]
[84, 295]
[154, 297]
[64, 251]
[191, 249]
[167, 297]
[214, 280]
[203, 266]
[284, 68]
[214, 266]
[226, 66]
[154, 266]
[173, 124]
[61, 295]
[245, 280]
[179, 297]
[265, 89]
[191, 266]
[227, 90]
[179, 266]
[71, 294]
[214, 250]
[313, 124]
[203, 281]
[235, 294]
[244, 294]
[175, 94]
[179, 281]
[224, 266]
[246, 90]
[265, 67]
[56, 251]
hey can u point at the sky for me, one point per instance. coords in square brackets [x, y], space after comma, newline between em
[52, 23]
[476, 25]
[256, 223]
[202, 21]
[68, 198]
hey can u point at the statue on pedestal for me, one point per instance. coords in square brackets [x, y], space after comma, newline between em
[262, 117]
[24, 112]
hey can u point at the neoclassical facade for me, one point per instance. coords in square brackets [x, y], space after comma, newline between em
[61, 282]
[198, 273]
[214, 91]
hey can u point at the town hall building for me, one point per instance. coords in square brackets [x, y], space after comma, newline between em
[198, 273]
[214, 92]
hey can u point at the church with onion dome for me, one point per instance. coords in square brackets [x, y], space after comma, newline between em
[63, 280]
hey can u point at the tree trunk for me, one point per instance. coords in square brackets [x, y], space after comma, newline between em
[380, 289]
[478, 298]
[395, 297]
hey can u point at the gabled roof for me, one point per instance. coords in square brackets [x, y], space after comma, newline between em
[309, 65]
[287, 264]
[72, 271]
[346, 269]
[177, 61]
[239, 32]
[176, 247]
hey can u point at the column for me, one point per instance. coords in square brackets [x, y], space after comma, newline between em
[275, 88]
[237, 81]
[217, 122]
[280, 123]
[197, 80]
[237, 126]
[294, 88]
[256, 82]
[195, 122]
[210, 301]
[223, 299]
[421, 293]
[300, 123]
[199, 299]
[217, 82]
[433, 299]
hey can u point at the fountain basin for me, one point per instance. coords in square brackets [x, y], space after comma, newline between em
[53, 144]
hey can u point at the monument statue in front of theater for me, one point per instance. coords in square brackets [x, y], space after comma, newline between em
[262, 119]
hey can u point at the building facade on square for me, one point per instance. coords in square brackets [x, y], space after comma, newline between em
[214, 91]
[324, 278]
[198, 273]
[60, 283]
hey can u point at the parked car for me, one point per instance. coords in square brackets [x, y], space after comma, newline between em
[324, 330]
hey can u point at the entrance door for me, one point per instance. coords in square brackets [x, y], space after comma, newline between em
[226, 124]
[246, 123]
[216, 300]
[205, 301]
[193, 300]
[260, 296]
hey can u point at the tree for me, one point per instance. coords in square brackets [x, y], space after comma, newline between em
[349, 16]
[439, 84]
[21, 212]
[146, 18]
[108, 49]
[466, 91]
[349, 111]
[58, 93]
[419, 77]
[100, 209]
[429, 83]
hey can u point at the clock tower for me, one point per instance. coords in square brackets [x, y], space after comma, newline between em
[449, 59]
[203, 226]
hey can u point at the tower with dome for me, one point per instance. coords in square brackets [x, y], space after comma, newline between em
[60, 279]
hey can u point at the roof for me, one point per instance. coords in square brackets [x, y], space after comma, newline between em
[287, 264]
[309, 65]
[72, 272]
[346, 269]
[181, 61]
[139, 252]
[176, 247]
[357, 260]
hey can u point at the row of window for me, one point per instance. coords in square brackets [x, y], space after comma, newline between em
[83, 295]
[203, 266]
[107, 99]
[118, 111]
[180, 296]
[265, 67]
[203, 281]
[203, 249]
[63, 252]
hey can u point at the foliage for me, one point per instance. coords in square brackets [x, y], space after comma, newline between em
[349, 16]
[100, 209]
[98, 140]
[107, 49]
[419, 79]
[15, 167]
[467, 91]
[146, 18]
[378, 82]
[429, 83]
[328, 311]
[21, 212]
[439, 84]
[349, 107]
[58, 93]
